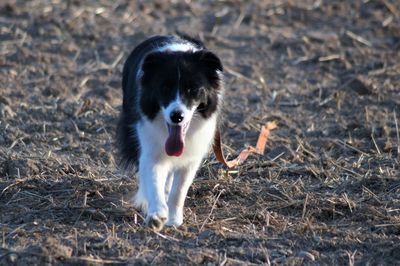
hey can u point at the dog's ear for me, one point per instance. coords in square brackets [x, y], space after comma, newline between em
[209, 60]
[210, 65]
[152, 62]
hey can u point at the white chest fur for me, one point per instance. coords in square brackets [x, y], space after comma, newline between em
[153, 134]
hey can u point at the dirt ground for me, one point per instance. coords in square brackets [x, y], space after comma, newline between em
[327, 190]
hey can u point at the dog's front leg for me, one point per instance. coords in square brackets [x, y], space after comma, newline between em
[152, 176]
[168, 185]
[183, 178]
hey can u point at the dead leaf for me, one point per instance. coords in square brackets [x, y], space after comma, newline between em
[244, 154]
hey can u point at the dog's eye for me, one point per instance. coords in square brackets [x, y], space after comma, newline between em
[202, 94]
[191, 91]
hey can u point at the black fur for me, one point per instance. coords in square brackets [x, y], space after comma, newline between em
[194, 74]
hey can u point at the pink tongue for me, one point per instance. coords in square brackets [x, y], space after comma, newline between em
[175, 143]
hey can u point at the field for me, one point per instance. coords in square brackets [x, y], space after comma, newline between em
[326, 191]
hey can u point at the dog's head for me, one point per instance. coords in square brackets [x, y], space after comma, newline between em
[180, 85]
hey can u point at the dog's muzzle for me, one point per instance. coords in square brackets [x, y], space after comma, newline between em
[175, 143]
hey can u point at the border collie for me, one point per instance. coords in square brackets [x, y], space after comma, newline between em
[172, 91]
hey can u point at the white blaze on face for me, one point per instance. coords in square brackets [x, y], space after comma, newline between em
[178, 47]
[175, 143]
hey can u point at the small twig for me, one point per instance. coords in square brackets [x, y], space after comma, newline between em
[346, 198]
[277, 157]
[224, 259]
[279, 198]
[372, 194]
[301, 145]
[84, 204]
[15, 230]
[346, 169]
[116, 61]
[376, 145]
[338, 141]
[96, 261]
[358, 38]
[397, 133]
[351, 257]
[240, 75]
[211, 211]
[165, 237]
[239, 19]
[15, 142]
[329, 57]
[304, 207]
[386, 225]
[9, 186]
[391, 8]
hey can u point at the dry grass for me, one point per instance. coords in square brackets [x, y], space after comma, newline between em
[326, 192]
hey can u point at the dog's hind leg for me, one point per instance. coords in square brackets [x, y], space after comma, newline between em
[183, 178]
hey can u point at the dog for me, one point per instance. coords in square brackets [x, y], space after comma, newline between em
[172, 93]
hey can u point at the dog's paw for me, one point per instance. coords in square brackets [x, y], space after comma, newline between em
[175, 220]
[155, 221]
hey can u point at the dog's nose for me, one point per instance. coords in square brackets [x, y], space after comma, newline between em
[176, 116]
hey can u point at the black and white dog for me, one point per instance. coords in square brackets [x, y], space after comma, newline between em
[172, 91]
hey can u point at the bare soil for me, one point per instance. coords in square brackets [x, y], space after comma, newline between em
[327, 191]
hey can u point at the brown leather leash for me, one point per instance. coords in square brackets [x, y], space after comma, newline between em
[258, 149]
